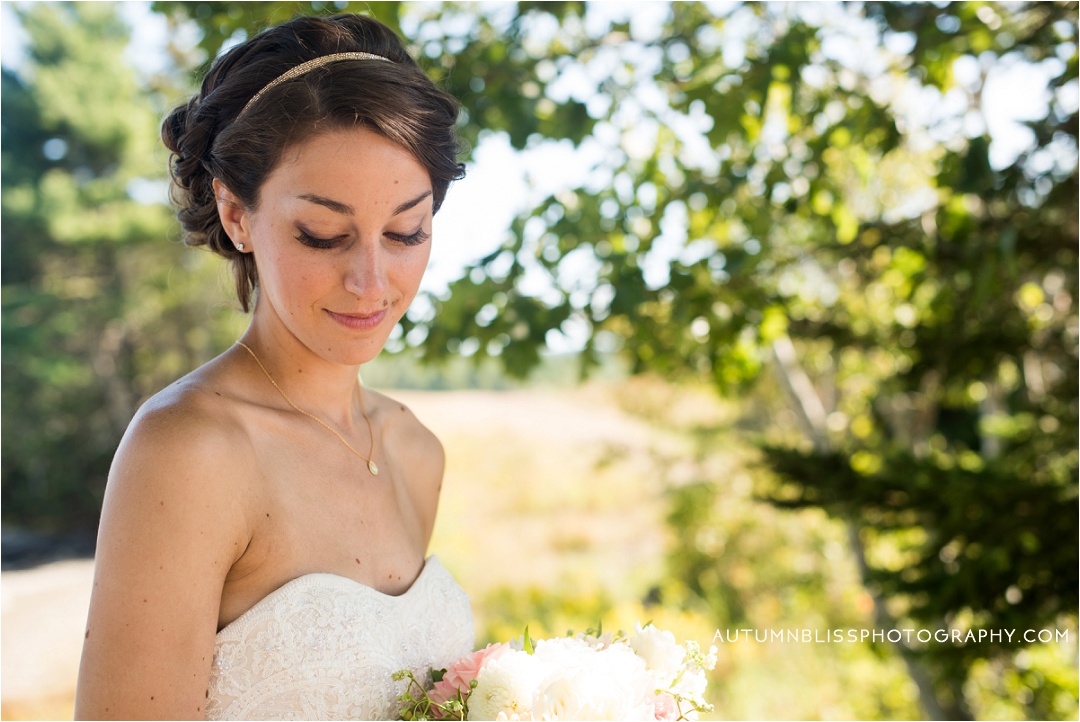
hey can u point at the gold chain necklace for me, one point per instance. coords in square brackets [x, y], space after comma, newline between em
[370, 461]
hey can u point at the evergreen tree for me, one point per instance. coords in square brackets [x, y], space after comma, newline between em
[94, 320]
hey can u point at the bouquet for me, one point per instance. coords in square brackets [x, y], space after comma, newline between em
[588, 676]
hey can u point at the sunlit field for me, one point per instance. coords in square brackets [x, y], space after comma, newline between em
[565, 509]
[561, 511]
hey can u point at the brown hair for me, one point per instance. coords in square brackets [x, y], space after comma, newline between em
[210, 138]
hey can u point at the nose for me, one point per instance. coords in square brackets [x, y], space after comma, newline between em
[365, 274]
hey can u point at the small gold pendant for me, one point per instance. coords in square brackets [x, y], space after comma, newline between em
[372, 468]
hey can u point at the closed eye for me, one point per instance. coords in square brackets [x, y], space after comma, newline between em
[411, 239]
[316, 242]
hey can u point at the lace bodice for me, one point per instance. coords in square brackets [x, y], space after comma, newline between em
[324, 647]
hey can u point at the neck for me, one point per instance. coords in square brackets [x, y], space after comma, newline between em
[319, 386]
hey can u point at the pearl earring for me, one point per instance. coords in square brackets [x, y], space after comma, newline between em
[240, 247]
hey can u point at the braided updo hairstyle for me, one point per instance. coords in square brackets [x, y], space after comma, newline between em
[210, 137]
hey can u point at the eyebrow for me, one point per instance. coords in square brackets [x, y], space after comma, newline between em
[335, 206]
[347, 210]
[410, 204]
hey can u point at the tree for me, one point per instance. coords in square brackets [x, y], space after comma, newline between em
[770, 198]
[93, 319]
[917, 302]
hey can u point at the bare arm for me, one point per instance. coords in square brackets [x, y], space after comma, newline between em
[172, 525]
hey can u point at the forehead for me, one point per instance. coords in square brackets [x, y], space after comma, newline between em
[356, 163]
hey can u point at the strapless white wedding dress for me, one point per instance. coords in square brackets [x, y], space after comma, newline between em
[324, 647]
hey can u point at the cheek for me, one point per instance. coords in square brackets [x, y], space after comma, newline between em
[297, 280]
[412, 271]
[408, 263]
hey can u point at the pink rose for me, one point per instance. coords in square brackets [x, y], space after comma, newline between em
[665, 707]
[468, 668]
[464, 671]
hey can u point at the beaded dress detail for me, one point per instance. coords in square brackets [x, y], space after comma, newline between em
[324, 646]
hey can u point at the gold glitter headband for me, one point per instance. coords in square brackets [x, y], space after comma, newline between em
[307, 67]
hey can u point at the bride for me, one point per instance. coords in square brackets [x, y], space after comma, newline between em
[263, 543]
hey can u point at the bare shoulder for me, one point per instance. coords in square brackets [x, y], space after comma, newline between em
[174, 521]
[407, 435]
[190, 427]
[415, 450]
[183, 468]
[193, 405]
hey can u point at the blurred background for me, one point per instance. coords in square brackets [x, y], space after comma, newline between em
[747, 316]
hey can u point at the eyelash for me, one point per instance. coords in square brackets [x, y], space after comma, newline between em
[313, 242]
[412, 239]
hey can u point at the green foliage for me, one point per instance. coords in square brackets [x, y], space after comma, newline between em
[232, 22]
[918, 302]
[958, 530]
[93, 319]
[417, 706]
[477, 56]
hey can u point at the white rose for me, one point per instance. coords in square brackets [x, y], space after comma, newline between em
[559, 698]
[587, 683]
[662, 654]
[624, 687]
[505, 686]
[564, 693]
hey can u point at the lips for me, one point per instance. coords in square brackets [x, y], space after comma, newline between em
[359, 321]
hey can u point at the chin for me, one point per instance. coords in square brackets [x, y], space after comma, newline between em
[352, 347]
[354, 355]
[356, 352]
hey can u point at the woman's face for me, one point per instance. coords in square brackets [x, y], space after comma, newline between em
[341, 237]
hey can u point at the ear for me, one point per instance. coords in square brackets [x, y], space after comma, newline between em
[235, 219]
